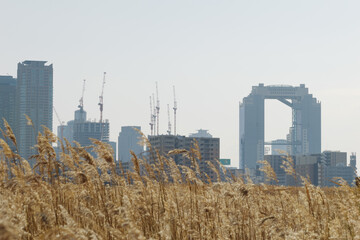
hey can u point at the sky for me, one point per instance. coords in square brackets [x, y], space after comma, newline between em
[213, 52]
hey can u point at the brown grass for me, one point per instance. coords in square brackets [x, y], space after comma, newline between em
[70, 200]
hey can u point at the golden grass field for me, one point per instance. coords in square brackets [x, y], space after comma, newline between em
[48, 202]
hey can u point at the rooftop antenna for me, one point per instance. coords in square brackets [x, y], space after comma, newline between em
[175, 108]
[157, 108]
[101, 104]
[81, 101]
[151, 118]
[169, 122]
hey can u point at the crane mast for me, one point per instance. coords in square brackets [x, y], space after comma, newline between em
[175, 108]
[81, 101]
[101, 104]
[169, 122]
[157, 108]
[151, 118]
[61, 125]
[154, 113]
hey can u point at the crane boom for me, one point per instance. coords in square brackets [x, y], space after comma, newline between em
[151, 117]
[157, 108]
[175, 108]
[169, 121]
[60, 123]
[81, 101]
[154, 112]
[101, 104]
[101, 99]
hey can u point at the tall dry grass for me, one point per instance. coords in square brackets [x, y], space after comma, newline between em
[69, 199]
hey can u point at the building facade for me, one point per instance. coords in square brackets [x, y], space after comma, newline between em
[7, 101]
[84, 131]
[34, 97]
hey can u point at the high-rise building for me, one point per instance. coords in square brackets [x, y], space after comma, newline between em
[82, 130]
[7, 100]
[34, 97]
[128, 140]
[305, 132]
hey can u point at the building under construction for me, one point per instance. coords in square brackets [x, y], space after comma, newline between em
[82, 130]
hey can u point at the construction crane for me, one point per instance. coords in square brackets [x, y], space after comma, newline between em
[175, 108]
[101, 104]
[154, 113]
[157, 108]
[169, 121]
[151, 118]
[81, 101]
[61, 124]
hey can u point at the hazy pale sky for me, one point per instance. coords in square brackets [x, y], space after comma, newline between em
[212, 51]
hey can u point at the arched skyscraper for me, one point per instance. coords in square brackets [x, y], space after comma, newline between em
[304, 135]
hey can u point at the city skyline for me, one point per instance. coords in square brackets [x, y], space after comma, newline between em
[212, 52]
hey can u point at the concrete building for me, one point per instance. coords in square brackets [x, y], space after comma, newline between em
[305, 133]
[331, 174]
[7, 101]
[128, 140]
[209, 149]
[34, 97]
[67, 131]
[335, 158]
[310, 167]
[335, 166]
[276, 161]
[82, 130]
[320, 169]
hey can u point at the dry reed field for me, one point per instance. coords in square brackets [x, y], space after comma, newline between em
[69, 199]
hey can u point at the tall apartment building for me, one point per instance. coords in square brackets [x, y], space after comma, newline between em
[34, 97]
[7, 100]
[209, 149]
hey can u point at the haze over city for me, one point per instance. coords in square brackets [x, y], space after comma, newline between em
[213, 52]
